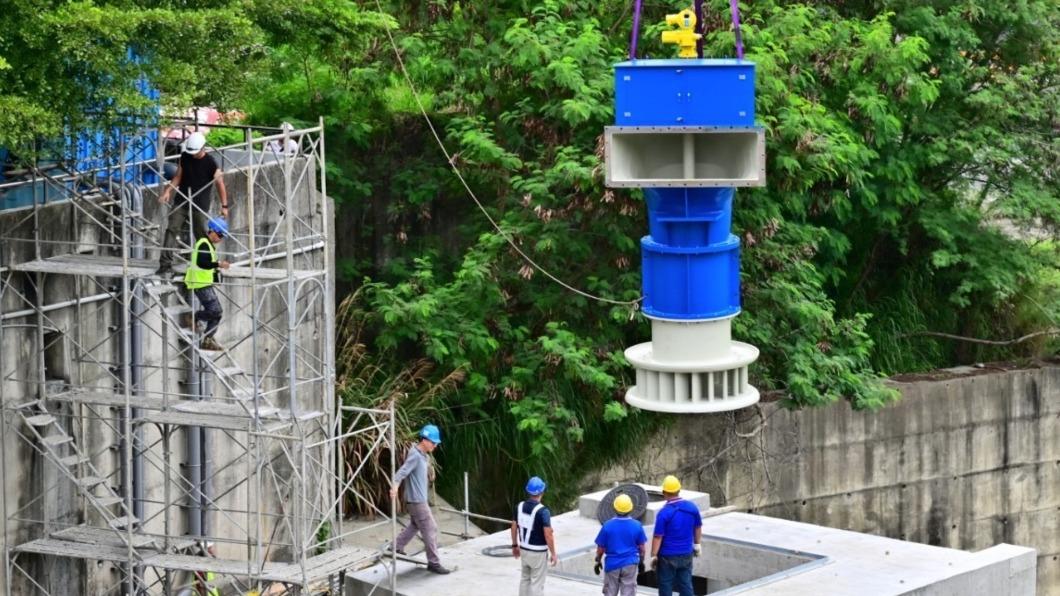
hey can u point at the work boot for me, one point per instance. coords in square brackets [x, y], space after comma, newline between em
[164, 271]
[438, 569]
[210, 344]
[186, 321]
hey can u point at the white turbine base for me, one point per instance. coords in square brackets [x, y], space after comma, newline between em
[692, 387]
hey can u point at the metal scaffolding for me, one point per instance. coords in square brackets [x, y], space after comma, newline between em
[171, 466]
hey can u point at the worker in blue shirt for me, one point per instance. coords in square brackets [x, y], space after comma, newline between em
[676, 539]
[622, 540]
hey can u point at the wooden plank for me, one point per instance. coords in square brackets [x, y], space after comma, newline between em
[77, 550]
[100, 536]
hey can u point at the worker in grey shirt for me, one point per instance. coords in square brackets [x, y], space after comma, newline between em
[414, 473]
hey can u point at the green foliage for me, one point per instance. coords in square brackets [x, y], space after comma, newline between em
[70, 65]
[913, 188]
[903, 138]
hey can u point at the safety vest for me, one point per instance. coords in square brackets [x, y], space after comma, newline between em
[526, 525]
[196, 277]
[210, 589]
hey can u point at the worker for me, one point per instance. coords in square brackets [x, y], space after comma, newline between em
[290, 145]
[678, 526]
[205, 582]
[622, 541]
[532, 540]
[195, 172]
[200, 277]
[414, 473]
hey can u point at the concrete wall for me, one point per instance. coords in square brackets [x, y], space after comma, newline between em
[91, 344]
[967, 459]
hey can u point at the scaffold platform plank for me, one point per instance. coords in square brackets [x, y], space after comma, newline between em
[317, 568]
[110, 266]
[349, 558]
[211, 414]
[100, 536]
[104, 549]
[94, 265]
[78, 550]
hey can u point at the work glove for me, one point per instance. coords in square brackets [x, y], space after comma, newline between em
[654, 563]
[697, 549]
[596, 568]
[640, 568]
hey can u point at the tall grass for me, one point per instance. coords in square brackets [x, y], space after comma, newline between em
[485, 441]
[364, 380]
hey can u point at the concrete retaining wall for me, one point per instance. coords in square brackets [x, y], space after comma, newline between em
[969, 458]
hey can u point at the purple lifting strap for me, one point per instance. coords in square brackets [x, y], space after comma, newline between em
[636, 31]
[735, 5]
[701, 28]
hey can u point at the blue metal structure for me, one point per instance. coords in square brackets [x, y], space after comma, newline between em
[93, 153]
[684, 132]
[685, 93]
[690, 261]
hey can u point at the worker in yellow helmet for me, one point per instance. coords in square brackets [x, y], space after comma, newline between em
[676, 540]
[622, 540]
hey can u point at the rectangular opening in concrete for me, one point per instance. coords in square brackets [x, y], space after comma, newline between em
[726, 566]
[56, 359]
[645, 156]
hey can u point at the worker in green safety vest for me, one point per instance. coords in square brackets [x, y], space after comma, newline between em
[202, 275]
[205, 581]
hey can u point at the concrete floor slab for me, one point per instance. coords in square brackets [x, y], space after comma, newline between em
[765, 555]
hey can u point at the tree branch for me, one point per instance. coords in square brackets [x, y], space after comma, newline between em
[989, 342]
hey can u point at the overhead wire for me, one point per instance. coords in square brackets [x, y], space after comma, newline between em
[456, 170]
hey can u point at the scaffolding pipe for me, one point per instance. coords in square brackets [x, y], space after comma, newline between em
[193, 453]
[206, 485]
[135, 204]
[126, 445]
[15, 314]
[3, 442]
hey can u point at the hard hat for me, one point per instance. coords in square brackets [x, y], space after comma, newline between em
[671, 485]
[195, 143]
[432, 434]
[535, 486]
[218, 226]
[623, 504]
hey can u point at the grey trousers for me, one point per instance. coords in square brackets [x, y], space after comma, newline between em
[178, 215]
[621, 581]
[421, 520]
[534, 567]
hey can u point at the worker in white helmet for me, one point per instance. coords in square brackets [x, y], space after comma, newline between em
[196, 173]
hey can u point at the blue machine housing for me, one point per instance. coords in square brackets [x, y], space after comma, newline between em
[690, 263]
[685, 93]
[690, 259]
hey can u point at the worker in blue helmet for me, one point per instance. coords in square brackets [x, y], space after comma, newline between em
[200, 277]
[414, 473]
[532, 540]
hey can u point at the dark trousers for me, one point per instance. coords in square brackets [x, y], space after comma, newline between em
[675, 572]
[421, 520]
[178, 216]
[209, 310]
